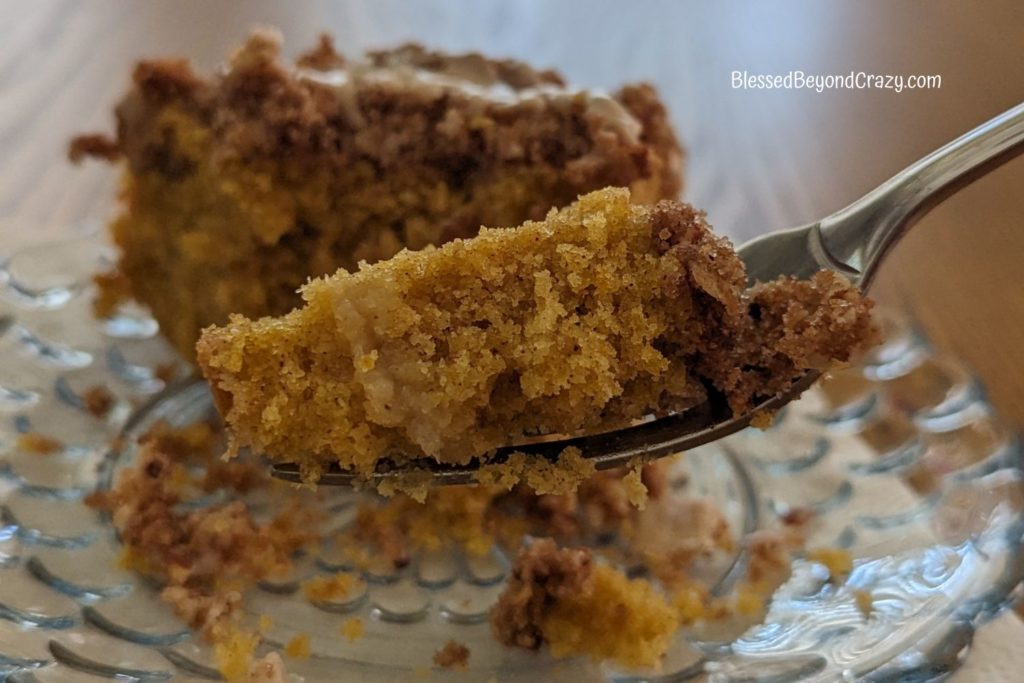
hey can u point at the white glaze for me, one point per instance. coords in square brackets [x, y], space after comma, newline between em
[471, 76]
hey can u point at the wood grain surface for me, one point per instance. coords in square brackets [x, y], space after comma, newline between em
[757, 160]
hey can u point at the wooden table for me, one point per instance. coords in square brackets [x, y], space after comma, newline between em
[758, 160]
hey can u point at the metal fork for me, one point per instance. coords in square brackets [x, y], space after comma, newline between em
[853, 241]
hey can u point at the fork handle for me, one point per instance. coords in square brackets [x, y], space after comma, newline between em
[856, 239]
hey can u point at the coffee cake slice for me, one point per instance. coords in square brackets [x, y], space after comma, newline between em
[240, 186]
[601, 314]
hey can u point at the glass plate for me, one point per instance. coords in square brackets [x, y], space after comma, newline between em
[901, 460]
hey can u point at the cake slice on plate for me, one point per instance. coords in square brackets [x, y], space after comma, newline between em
[240, 186]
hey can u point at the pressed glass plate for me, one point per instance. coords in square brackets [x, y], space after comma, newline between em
[900, 460]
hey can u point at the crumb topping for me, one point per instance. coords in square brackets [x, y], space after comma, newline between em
[205, 557]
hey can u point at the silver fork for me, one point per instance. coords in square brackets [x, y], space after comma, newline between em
[853, 241]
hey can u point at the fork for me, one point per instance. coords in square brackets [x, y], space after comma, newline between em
[853, 241]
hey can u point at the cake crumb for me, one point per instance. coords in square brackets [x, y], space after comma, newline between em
[562, 598]
[298, 647]
[749, 600]
[334, 588]
[543, 477]
[691, 602]
[541, 575]
[762, 419]
[454, 655]
[204, 557]
[98, 400]
[768, 560]
[38, 444]
[798, 516]
[233, 651]
[865, 602]
[635, 488]
[838, 561]
[352, 629]
[95, 145]
[264, 624]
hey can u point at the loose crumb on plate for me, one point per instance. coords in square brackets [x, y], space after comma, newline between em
[454, 655]
[98, 400]
[352, 629]
[206, 556]
[769, 555]
[865, 602]
[234, 650]
[562, 598]
[798, 516]
[298, 647]
[38, 444]
[838, 561]
[334, 588]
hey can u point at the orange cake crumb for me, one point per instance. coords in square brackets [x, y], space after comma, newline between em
[865, 602]
[749, 600]
[838, 561]
[454, 655]
[233, 651]
[691, 602]
[615, 618]
[449, 517]
[38, 444]
[298, 647]
[334, 588]
[634, 487]
[769, 560]
[543, 477]
[352, 629]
